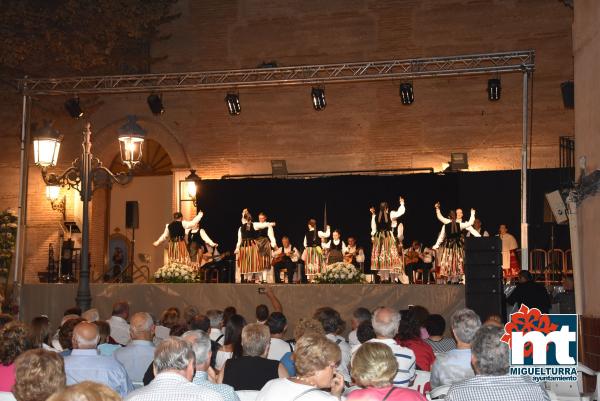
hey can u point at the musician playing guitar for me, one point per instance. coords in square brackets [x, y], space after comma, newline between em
[416, 258]
[354, 254]
[286, 257]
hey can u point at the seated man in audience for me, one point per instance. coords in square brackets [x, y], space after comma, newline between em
[277, 324]
[252, 370]
[201, 344]
[333, 325]
[386, 322]
[84, 363]
[65, 336]
[262, 313]
[435, 326]
[455, 365]
[216, 325]
[174, 364]
[358, 316]
[528, 292]
[119, 328]
[201, 322]
[39, 374]
[566, 299]
[139, 353]
[491, 362]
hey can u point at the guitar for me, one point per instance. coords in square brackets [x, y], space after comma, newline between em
[206, 258]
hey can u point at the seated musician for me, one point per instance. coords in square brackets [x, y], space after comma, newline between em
[286, 257]
[354, 254]
[416, 258]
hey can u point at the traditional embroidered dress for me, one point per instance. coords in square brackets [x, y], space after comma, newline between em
[384, 254]
[175, 232]
[248, 257]
[265, 240]
[313, 253]
[451, 251]
[335, 250]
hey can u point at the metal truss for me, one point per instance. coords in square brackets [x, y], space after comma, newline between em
[474, 64]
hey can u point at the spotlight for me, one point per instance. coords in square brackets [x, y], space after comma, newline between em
[407, 95]
[155, 104]
[318, 98]
[494, 89]
[72, 106]
[233, 104]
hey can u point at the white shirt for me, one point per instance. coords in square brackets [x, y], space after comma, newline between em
[463, 226]
[358, 253]
[278, 349]
[289, 250]
[394, 215]
[287, 390]
[221, 358]
[353, 339]
[187, 225]
[135, 358]
[405, 358]
[173, 387]
[119, 330]
[344, 368]
[86, 364]
[321, 234]
[257, 226]
[327, 245]
[215, 334]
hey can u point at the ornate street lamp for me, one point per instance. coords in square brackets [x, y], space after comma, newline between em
[189, 188]
[85, 175]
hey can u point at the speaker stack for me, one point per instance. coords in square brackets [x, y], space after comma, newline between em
[132, 216]
[484, 287]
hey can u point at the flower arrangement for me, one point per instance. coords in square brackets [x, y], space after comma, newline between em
[340, 273]
[8, 238]
[176, 272]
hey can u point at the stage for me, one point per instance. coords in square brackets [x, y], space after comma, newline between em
[297, 300]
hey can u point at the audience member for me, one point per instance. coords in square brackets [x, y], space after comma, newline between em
[86, 391]
[40, 332]
[409, 336]
[385, 324]
[139, 353]
[216, 324]
[179, 329]
[316, 360]
[75, 310]
[55, 342]
[494, 320]
[227, 313]
[232, 344]
[374, 368]
[262, 313]
[106, 344]
[491, 362]
[201, 344]
[364, 333]
[420, 314]
[455, 365]
[119, 328]
[189, 312]
[39, 374]
[85, 363]
[358, 316]
[91, 315]
[169, 319]
[303, 327]
[5, 318]
[333, 325]
[174, 364]
[252, 370]
[277, 324]
[201, 322]
[15, 338]
[528, 292]
[566, 299]
[65, 335]
[436, 326]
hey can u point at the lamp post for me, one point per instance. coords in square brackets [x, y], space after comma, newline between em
[85, 175]
[188, 189]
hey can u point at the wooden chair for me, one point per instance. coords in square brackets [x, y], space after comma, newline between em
[568, 263]
[538, 260]
[556, 265]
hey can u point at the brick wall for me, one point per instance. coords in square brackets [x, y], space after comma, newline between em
[364, 125]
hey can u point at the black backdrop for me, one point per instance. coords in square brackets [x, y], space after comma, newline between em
[291, 202]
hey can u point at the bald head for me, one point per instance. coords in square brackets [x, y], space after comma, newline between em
[142, 326]
[385, 322]
[85, 336]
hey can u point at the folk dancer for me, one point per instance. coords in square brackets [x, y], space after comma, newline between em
[175, 232]
[384, 256]
[265, 240]
[198, 241]
[510, 264]
[451, 243]
[287, 257]
[246, 249]
[313, 253]
[336, 248]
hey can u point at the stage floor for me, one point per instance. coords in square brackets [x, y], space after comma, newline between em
[297, 300]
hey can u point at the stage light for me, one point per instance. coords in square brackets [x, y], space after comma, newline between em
[318, 98]
[73, 107]
[155, 104]
[494, 89]
[407, 95]
[233, 104]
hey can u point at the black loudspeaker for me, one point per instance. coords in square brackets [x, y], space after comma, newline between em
[568, 94]
[484, 287]
[132, 217]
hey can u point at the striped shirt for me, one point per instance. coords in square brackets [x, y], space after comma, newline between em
[444, 345]
[497, 388]
[406, 361]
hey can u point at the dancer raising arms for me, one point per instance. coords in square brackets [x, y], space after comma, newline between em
[313, 253]
[451, 243]
[384, 255]
[248, 258]
[175, 232]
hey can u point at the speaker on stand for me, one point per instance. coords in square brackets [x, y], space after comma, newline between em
[484, 286]
[132, 221]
